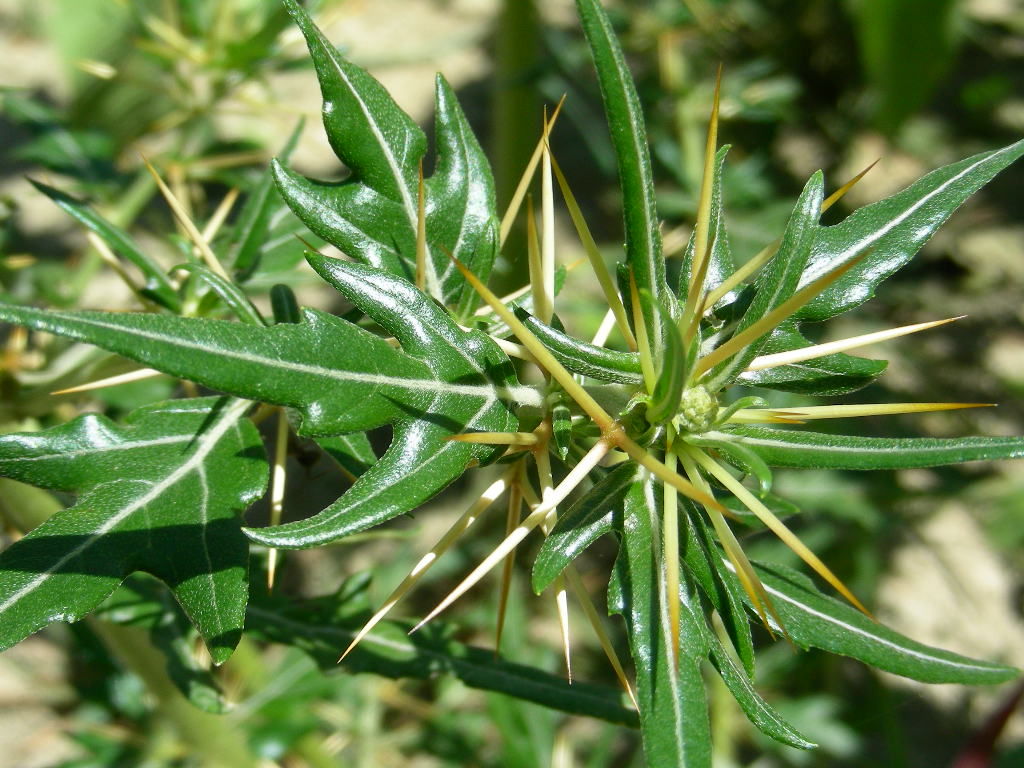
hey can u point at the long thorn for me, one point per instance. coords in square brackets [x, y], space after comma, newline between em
[111, 381]
[547, 230]
[604, 278]
[534, 519]
[186, 222]
[421, 234]
[442, 545]
[806, 413]
[576, 584]
[820, 350]
[277, 488]
[524, 182]
[776, 526]
[791, 305]
[512, 517]
[702, 229]
[670, 547]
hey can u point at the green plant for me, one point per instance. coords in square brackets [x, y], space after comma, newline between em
[164, 493]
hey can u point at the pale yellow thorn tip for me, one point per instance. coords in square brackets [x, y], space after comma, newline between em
[535, 518]
[842, 345]
[453, 534]
[112, 381]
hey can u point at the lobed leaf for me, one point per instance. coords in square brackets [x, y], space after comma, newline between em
[894, 230]
[671, 697]
[162, 494]
[372, 216]
[422, 458]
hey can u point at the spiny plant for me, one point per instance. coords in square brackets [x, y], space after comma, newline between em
[660, 446]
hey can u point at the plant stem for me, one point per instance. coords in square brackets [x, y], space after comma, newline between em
[210, 739]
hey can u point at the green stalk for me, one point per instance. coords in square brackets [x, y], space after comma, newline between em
[516, 116]
[210, 739]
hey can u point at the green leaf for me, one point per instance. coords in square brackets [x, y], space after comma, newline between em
[422, 459]
[321, 627]
[673, 708]
[247, 242]
[786, 448]
[372, 216]
[583, 524]
[629, 138]
[161, 495]
[352, 451]
[894, 229]
[583, 358]
[720, 586]
[672, 369]
[836, 374]
[158, 286]
[319, 367]
[779, 279]
[229, 293]
[813, 619]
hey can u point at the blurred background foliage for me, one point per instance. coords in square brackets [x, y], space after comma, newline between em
[209, 90]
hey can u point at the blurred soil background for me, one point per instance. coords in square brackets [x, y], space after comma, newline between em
[88, 85]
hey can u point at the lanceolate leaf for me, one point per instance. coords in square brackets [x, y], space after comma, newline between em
[157, 285]
[321, 366]
[583, 358]
[835, 374]
[673, 709]
[894, 230]
[372, 216]
[161, 495]
[422, 459]
[813, 619]
[629, 138]
[779, 279]
[797, 448]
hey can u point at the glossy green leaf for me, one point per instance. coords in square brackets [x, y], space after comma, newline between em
[894, 230]
[561, 429]
[673, 367]
[321, 627]
[673, 708]
[248, 239]
[583, 358]
[422, 459]
[161, 495]
[158, 285]
[352, 451]
[581, 525]
[229, 293]
[813, 619]
[719, 585]
[797, 448]
[372, 216]
[778, 280]
[629, 138]
[836, 374]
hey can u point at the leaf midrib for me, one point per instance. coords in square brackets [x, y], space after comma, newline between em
[205, 443]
